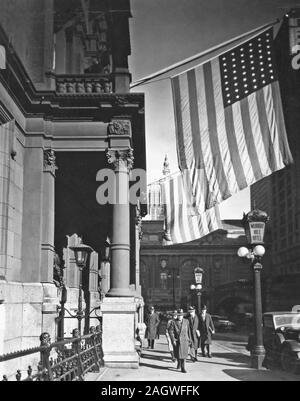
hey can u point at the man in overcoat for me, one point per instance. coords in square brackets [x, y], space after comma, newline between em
[181, 339]
[194, 331]
[152, 322]
[207, 328]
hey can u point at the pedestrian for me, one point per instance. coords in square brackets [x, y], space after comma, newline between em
[168, 328]
[152, 322]
[207, 328]
[181, 339]
[195, 333]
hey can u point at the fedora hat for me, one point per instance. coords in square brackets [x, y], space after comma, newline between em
[191, 308]
[180, 312]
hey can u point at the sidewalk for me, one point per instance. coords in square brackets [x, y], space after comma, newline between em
[226, 365]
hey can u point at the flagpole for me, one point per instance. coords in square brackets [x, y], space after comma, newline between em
[204, 53]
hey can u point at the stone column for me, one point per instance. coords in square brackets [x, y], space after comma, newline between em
[122, 161]
[119, 307]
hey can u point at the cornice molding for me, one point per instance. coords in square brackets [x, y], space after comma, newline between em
[51, 105]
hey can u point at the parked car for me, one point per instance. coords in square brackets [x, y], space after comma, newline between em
[222, 323]
[281, 334]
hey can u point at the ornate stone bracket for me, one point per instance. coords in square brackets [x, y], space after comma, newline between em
[120, 159]
[120, 127]
[50, 161]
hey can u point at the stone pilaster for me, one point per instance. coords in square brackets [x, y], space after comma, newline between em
[4, 194]
[48, 207]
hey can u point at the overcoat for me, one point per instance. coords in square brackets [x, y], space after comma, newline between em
[181, 338]
[194, 326]
[152, 322]
[206, 328]
[168, 328]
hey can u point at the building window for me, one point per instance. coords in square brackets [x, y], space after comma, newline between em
[163, 280]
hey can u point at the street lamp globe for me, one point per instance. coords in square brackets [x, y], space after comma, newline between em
[259, 250]
[243, 252]
[192, 287]
[199, 287]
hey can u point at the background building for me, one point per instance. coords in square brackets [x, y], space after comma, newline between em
[279, 194]
[66, 113]
[168, 272]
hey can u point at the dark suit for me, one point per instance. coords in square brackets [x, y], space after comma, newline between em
[206, 327]
[181, 338]
[152, 323]
[194, 326]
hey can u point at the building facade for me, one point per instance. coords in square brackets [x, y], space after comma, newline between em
[168, 272]
[279, 194]
[66, 114]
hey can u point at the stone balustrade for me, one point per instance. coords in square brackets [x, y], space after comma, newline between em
[83, 84]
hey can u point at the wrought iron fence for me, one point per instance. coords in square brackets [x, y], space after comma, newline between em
[68, 360]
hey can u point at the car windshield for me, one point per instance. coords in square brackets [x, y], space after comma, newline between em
[287, 320]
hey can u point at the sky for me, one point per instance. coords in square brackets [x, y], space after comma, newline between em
[164, 32]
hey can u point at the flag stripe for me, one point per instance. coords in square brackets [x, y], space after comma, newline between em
[249, 138]
[272, 125]
[283, 142]
[191, 76]
[241, 141]
[263, 121]
[186, 120]
[179, 126]
[258, 136]
[212, 128]
[234, 150]
[212, 185]
[221, 128]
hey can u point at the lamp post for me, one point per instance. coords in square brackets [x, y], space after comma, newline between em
[254, 223]
[198, 273]
[174, 275]
[81, 252]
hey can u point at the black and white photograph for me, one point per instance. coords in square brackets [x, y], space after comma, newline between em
[149, 193]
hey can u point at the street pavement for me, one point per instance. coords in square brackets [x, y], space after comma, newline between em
[230, 362]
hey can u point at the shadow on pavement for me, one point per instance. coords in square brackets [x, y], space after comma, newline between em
[156, 351]
[156, 358]
[254, 375]
[233, 357]
[160, 367]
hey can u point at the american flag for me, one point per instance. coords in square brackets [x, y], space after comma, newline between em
[229, 121]
[181, 223]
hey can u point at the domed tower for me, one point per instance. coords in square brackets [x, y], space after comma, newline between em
[156, 209]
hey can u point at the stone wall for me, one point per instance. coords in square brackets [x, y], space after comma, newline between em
[29, 27]
[26, 310]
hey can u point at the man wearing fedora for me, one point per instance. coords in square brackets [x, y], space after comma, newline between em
[181, 339]
[194, 331]
[152, 322]
[207, 328]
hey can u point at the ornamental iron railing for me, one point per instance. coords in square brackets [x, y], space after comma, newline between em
[68, 360]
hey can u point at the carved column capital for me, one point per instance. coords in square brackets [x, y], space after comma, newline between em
[120, 127]
[120, 159]
[50, 161]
